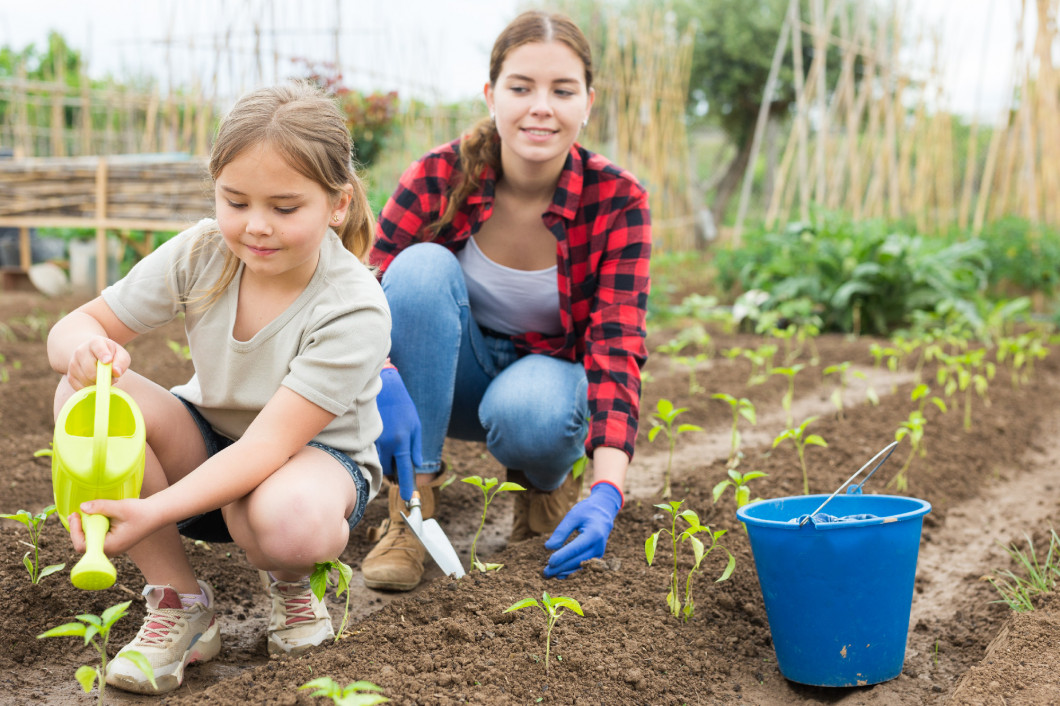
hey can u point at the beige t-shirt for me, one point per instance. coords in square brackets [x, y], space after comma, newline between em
[328, 346]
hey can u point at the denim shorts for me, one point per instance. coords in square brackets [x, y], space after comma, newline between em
[210, 526]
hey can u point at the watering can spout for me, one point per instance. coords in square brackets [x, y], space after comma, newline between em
[98, 452]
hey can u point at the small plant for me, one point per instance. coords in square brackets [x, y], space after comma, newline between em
[678, 608]
[665, 423]
[842, 372]
[35, 524]
[320, 579]
[964, 373]
[690, 363]
[485, 486]
[349, 695]
[913, 427]
[742, 407]
[180, 350]
[553, 609]
[1039, 577]
[801, 440]
[789, 395]
[6, 368]
[95, 629]
[739, 482]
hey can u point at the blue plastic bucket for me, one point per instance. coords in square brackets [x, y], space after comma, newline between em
[837, 594]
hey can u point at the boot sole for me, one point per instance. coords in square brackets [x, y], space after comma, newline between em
[389, 585]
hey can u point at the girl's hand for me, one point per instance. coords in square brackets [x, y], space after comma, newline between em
[130, 522]
[81, 371]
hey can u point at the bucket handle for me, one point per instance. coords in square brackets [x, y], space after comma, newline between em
[889, 449]
[101, 423]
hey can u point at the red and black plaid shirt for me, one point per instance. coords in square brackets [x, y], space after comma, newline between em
[599, 215]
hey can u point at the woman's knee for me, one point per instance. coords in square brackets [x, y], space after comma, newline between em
[423, 269]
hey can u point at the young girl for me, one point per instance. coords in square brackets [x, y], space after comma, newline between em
[270, 444]
[515, 263]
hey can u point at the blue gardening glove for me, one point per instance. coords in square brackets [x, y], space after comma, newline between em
[399, 444]
[592, 519]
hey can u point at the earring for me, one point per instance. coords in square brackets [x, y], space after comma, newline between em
[493, 116]
[336, 218]
[585, 123]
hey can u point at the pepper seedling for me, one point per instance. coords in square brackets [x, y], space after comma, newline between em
[349, 695]
[739, 482]
[665, 423]
[320, 579]
[801, 439]
[485, 485]
[553, 609]
[741, 407]
[700, 552]
[95, 629]
[35, 524]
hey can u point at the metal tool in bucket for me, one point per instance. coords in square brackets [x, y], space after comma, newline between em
[98, 452]
[837, 594]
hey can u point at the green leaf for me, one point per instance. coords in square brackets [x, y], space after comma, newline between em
[718, 490]
[650, 545]
[665, 407]
[114, 613]
[65, 630]
[474, 480]
[86, 677]
[728, 567]
[682, 428]
[90, 632]
[507, 487]
[345, 577]
[318, 580]
[654, 432]
[519, 605]
[20, 516]
[816, 440]
[568, 603]
[697, 550]
[750, 476]
[138, 659]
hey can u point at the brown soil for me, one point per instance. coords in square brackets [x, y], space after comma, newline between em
[450, 641]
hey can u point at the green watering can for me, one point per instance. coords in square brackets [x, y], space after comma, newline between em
[98, 453]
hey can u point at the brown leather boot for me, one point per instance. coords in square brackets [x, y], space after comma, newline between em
[538, 512]
[396, 562]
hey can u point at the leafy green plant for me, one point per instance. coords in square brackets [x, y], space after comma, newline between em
[678, 608]
[739, 483]
[6, 368]
[553, 608]
[913, 427]
[842, 372]
[485, 485]
[690, 363]
[801, 439]
[349, 695]
[789, 395]
[95, 629]
[966, 373]
[1021, 351]
[320, 579]
[35, 524]
[665, 423]
[1038, 577]
[741, 407]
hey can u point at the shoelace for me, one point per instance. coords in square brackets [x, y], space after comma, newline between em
[297, 603]
[156, 628]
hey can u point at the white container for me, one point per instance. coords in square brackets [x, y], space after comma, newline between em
[83, 265]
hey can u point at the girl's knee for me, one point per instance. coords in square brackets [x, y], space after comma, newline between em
[290, 531]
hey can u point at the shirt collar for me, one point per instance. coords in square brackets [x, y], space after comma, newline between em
[568, 191]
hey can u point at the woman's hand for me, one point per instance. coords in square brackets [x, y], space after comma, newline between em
[592, 519]
[130, 522]
[81, 370]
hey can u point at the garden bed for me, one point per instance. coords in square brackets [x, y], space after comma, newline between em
[450, 641]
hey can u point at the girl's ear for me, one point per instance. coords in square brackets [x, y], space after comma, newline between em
[342, 203]
[589, 107]
[487, 91]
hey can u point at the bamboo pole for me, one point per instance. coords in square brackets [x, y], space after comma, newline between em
[101, 232]
[800, 115]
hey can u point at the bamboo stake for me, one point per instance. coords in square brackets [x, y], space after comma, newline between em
[101, 232]
[800, 115]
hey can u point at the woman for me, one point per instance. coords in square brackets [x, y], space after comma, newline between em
[515, 263]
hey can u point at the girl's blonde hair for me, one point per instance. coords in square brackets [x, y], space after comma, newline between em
[308, 129]
[481, 145]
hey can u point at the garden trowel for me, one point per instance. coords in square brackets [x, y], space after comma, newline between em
[428, 531]
[98, 452]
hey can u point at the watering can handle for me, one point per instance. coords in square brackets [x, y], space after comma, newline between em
[101, 425]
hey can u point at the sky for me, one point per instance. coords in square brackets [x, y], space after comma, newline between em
[433, 49]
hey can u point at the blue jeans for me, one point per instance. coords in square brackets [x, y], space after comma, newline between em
[532, 411]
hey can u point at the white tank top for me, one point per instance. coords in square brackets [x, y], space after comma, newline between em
[508, 300]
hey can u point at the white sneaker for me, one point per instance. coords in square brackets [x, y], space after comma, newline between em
[298, 621]
[171, 638]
